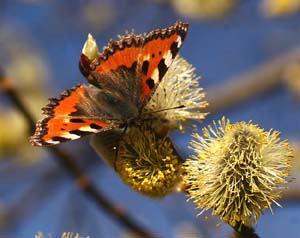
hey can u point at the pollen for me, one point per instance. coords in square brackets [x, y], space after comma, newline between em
[179, 89]
[238, 170]
[148, 163]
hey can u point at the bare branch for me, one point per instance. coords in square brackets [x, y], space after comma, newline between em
[68, 162]
[244, 86]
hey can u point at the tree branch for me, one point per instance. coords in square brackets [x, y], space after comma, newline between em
[256, 81]
[67, 162]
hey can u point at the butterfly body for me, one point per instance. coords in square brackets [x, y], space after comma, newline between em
[122, 80]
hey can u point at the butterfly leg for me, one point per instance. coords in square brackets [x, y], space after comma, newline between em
[117, 148]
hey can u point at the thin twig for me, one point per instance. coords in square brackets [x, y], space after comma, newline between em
[292, 193]
[259, 80]
[7, 87]
[243, 231]
[68, 162]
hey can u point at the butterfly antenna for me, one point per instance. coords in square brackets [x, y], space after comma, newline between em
[166, 109]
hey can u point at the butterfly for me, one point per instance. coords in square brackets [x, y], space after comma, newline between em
[121, 79]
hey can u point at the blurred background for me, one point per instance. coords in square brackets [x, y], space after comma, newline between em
[247, 53]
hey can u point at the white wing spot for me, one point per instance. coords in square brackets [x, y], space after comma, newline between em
[70, 136]
[54, 142]
[147, 57]
[179, 42]
[88, 128]
[155, 75]
[168, 58]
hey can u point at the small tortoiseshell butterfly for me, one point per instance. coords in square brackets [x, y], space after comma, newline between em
[123, 78]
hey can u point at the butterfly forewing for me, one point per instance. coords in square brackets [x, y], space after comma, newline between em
[75, 114]
[159, 50]
[147, 58]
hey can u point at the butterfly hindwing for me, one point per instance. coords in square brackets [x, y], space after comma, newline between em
[72, 116]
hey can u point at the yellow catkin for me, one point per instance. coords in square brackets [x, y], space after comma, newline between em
[237, 170]
[148, 164]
